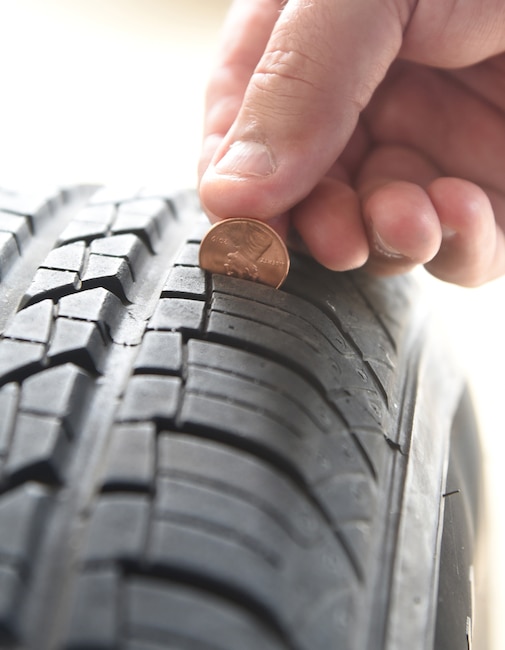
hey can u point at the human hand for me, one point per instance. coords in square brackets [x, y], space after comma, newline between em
[375, 128]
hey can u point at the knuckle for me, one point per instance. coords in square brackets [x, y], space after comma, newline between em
[289, 72]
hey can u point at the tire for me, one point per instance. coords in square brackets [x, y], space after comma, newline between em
[203, 463]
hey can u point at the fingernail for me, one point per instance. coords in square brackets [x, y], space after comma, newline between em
[385, 249]
[246, 158]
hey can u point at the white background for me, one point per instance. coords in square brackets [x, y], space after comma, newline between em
[111, 91]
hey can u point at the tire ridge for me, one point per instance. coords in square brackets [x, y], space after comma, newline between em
[288, 470]
[220, 588]
[51, 213]
[123, 356]
[330, 313]
[392, 503]
[117, 405]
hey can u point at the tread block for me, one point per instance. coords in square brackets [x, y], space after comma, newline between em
[384, 372]
[221, 512]
[19, 357]
[246, 426]
[154, 207]
[130, 247]
[264, 372]
[96, 305]
[318, 333]
[376, 347]
[16, 225]
[78, 192]
[219, 558]
[59, 392]
[215, 556]
[199, 230]
[157, 611]
[131, 458]
[390, 300]
[101, 214]
[9, 253]
[277, 344]
[306, 274]
[36, 206]
[358, 310]
[178, 314]
[360, 413]
[10, 597]
[9, 398]
[328, 624]
[160, 352]
[150, 397]
[78, 341]
[337, 453]
[185, 281]
[114, 273]
[227, 386]
[263, 515]
[357, 536]
[144, 217]
[244, 475]
[38, 450]
[375, 449]
[69, 257]
[93, 623]
[50, 283]
[111, 195]
[378, 353]
[188, 256]
[328, 572]
[306, 319]
[32, 323]
[348, 497]
[22, 512]
[117, 529]
[82, 230]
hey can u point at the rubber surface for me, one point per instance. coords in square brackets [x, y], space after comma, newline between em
[196, 462]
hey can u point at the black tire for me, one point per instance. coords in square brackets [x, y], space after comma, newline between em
[202, 463]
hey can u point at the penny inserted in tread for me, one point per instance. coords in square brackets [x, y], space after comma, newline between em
[247, 249]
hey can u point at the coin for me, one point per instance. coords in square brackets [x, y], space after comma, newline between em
[247, 249]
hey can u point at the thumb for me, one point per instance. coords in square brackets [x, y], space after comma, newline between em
[323, 61]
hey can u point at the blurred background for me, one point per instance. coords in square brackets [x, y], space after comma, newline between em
[104, 90]
[111, 91]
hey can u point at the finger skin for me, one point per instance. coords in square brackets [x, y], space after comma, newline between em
[298, 117]
[329, 222]
[452, 34]
[438, 116]
[473, 250]
[245, 35]
[401, 221]
[303, 101]
[403, 226]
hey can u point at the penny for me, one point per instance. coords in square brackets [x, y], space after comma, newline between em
[247, 249]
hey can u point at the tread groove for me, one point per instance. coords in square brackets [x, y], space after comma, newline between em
[349, 339]
[193, 439]
[225, 532]
[280, 464]
[222, 589]
[234, 342]
[244, 495]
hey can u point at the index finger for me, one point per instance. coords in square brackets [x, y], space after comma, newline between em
[245, 35]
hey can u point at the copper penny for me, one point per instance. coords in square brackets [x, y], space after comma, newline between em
[246, 249]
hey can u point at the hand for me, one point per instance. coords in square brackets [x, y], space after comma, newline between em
[376, 128]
